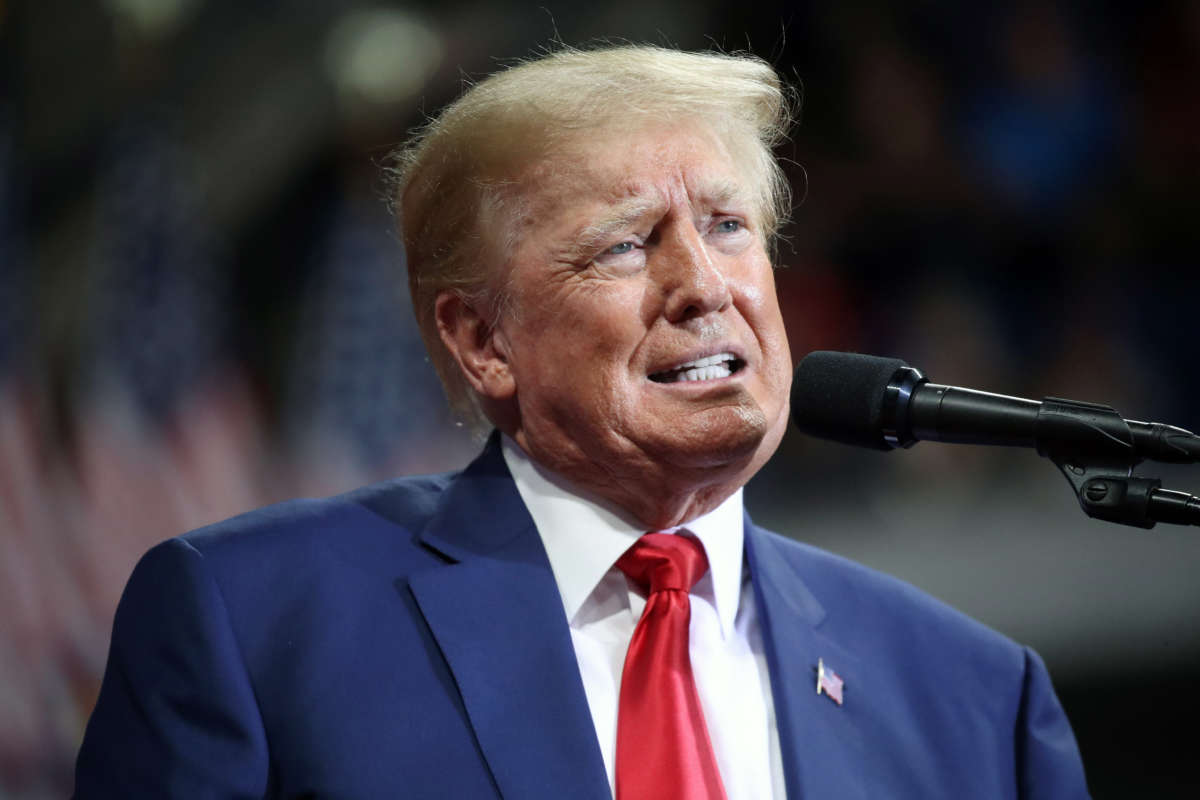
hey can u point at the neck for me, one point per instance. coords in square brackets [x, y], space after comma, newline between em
[652, 497]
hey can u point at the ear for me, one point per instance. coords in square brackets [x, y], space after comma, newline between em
[476, 346]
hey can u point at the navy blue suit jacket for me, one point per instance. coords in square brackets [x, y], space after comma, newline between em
[408, 640]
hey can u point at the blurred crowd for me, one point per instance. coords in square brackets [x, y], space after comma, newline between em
[203, 304]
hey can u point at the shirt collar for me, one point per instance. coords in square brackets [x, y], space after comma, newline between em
[584, 535]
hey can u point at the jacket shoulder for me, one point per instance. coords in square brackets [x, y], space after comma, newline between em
[867, 603]
[393, 510]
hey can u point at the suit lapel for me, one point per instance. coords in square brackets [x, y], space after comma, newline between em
[820, 741]
[498, 618]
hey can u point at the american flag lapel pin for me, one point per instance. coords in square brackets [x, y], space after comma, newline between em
[829, 682]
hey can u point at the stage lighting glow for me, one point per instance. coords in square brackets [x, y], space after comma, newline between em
[382, 55]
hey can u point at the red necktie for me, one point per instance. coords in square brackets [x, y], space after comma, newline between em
[663, 749]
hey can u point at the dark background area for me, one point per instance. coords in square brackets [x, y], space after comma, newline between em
[202, 304]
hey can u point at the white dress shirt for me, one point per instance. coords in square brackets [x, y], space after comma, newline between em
[584, 536]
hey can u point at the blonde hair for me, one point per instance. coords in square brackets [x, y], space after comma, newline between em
[454, 181]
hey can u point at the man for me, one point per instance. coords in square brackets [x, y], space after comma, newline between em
[587, 241]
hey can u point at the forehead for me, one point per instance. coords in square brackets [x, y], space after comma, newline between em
[651, 166]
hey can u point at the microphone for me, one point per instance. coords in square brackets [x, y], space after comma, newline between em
[883, 403]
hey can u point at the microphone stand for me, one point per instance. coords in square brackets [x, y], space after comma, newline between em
[1092, 445]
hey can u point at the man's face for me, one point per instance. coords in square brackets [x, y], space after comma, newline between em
[643, 333]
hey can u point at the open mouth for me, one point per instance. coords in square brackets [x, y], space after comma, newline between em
[709, 368]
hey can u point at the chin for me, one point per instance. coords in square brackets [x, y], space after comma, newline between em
[725, 438]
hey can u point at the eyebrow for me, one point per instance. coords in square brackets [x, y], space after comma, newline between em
[627, 212]
[721, 192]
[621, 216]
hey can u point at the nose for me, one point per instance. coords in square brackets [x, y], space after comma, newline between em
[693, 282]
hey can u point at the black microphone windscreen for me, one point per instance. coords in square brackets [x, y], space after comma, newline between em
[839, 396]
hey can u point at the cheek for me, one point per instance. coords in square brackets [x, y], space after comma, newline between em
[602, 323]
[579, 341]
[766, 319]
[761, 304]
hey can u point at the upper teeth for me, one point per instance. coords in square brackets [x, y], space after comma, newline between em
[703, 369]
[707, 361]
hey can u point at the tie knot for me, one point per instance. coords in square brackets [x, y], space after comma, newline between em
[660, 561]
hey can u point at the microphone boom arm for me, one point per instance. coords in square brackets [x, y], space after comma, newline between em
[1094, 447]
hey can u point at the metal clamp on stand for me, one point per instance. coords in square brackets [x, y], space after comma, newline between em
[1094, 448]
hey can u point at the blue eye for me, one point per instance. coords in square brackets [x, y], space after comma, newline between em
[729, 226]
[620, 249]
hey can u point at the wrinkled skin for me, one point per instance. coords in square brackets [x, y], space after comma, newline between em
[637, 252]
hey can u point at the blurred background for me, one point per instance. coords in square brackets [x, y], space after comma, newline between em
[202, 305]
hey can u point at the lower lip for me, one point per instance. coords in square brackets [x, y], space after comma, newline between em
[699, 387]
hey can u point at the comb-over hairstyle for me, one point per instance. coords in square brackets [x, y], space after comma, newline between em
[456, 181]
